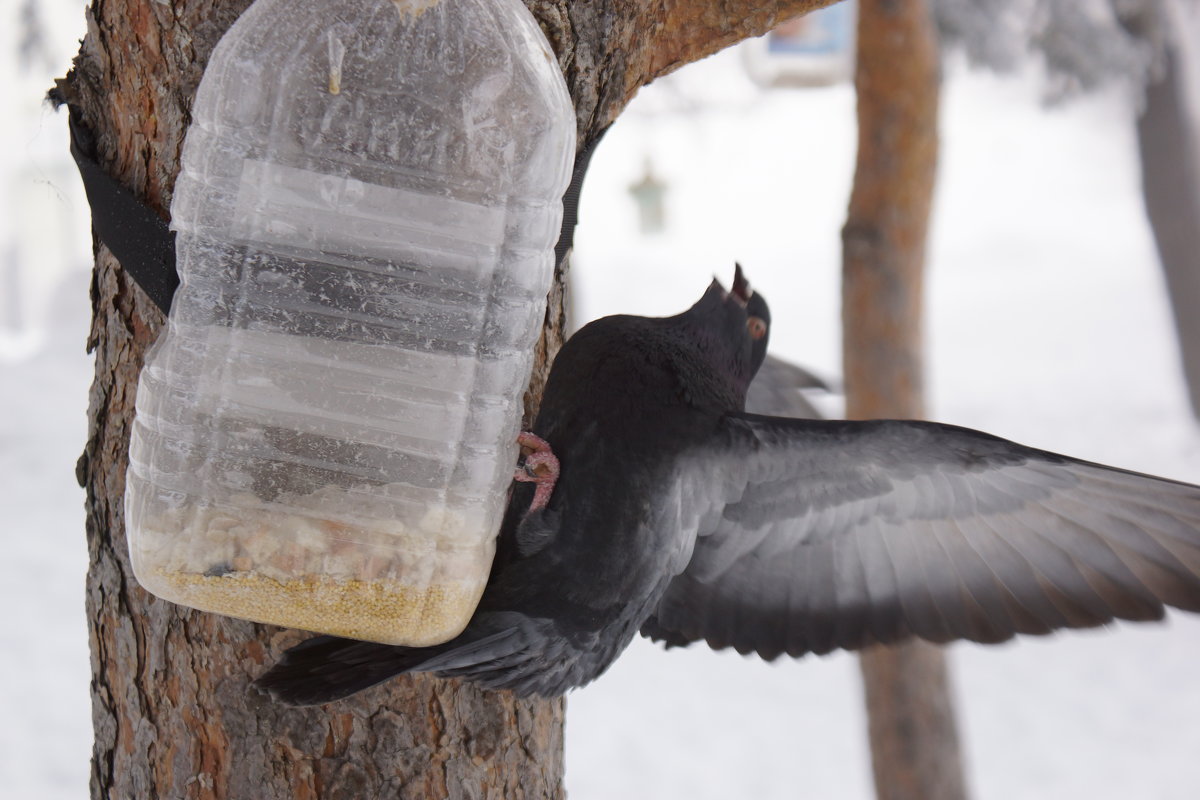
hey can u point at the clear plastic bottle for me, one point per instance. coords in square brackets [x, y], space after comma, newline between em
[369, 198]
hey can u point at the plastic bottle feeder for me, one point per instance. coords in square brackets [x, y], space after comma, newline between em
[369, 197]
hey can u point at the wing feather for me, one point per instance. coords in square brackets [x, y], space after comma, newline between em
[852, 590]
[986, 597]
[817, 535]
[884, 617]
[793, 619]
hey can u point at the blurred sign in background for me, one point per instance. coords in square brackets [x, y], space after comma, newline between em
[816, 49]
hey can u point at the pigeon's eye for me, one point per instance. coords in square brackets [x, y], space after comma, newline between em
[757, 328]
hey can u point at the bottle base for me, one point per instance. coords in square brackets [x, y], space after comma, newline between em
[381, 611]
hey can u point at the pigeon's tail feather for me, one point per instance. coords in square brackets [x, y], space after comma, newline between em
[327, 668]
[484, 650]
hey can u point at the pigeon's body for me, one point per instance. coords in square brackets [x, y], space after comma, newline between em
[677, 514]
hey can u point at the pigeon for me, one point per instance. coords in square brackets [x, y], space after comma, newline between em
[657, 505]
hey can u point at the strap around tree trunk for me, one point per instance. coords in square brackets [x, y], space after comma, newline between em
[139, 238]
[145, 244]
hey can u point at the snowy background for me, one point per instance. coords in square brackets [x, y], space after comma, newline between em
[1047, 324]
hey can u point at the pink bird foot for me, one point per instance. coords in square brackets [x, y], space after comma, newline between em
[540, 467]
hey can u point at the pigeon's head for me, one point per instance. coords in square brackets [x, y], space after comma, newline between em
[758, 324]
[732, 328]
[758, 317]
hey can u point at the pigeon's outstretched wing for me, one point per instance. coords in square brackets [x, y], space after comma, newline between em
[778, 390]
[817, 535]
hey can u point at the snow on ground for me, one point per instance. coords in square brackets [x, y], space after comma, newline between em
[1046, 324]
[45, 741]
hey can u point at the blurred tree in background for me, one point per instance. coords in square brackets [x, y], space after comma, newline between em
[915, 751]
[1152, 49]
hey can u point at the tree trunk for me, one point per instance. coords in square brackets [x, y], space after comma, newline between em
[914, 744]
[172, 714]
[1168, 131]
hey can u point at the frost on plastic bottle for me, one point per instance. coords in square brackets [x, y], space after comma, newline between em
[369, 197]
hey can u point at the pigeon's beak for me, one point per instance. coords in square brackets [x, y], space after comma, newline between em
[741, 291]
[741, 286]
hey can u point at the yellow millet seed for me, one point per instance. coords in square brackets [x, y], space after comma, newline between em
[372, 610]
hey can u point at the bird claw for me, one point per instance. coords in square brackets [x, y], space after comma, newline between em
[540, 467]
[540, 464]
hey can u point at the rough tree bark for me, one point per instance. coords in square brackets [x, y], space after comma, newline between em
[172, 714]
[914, 744]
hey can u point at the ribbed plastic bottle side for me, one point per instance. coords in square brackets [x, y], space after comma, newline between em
[325, 431]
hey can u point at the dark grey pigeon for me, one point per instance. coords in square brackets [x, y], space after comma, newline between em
[678, 514]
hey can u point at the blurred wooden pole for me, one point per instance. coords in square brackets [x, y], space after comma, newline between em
[914, 740]
[1168, 132]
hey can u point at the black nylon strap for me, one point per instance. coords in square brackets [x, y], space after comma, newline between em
[145, 245]
[139, 238]
[566, 236]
